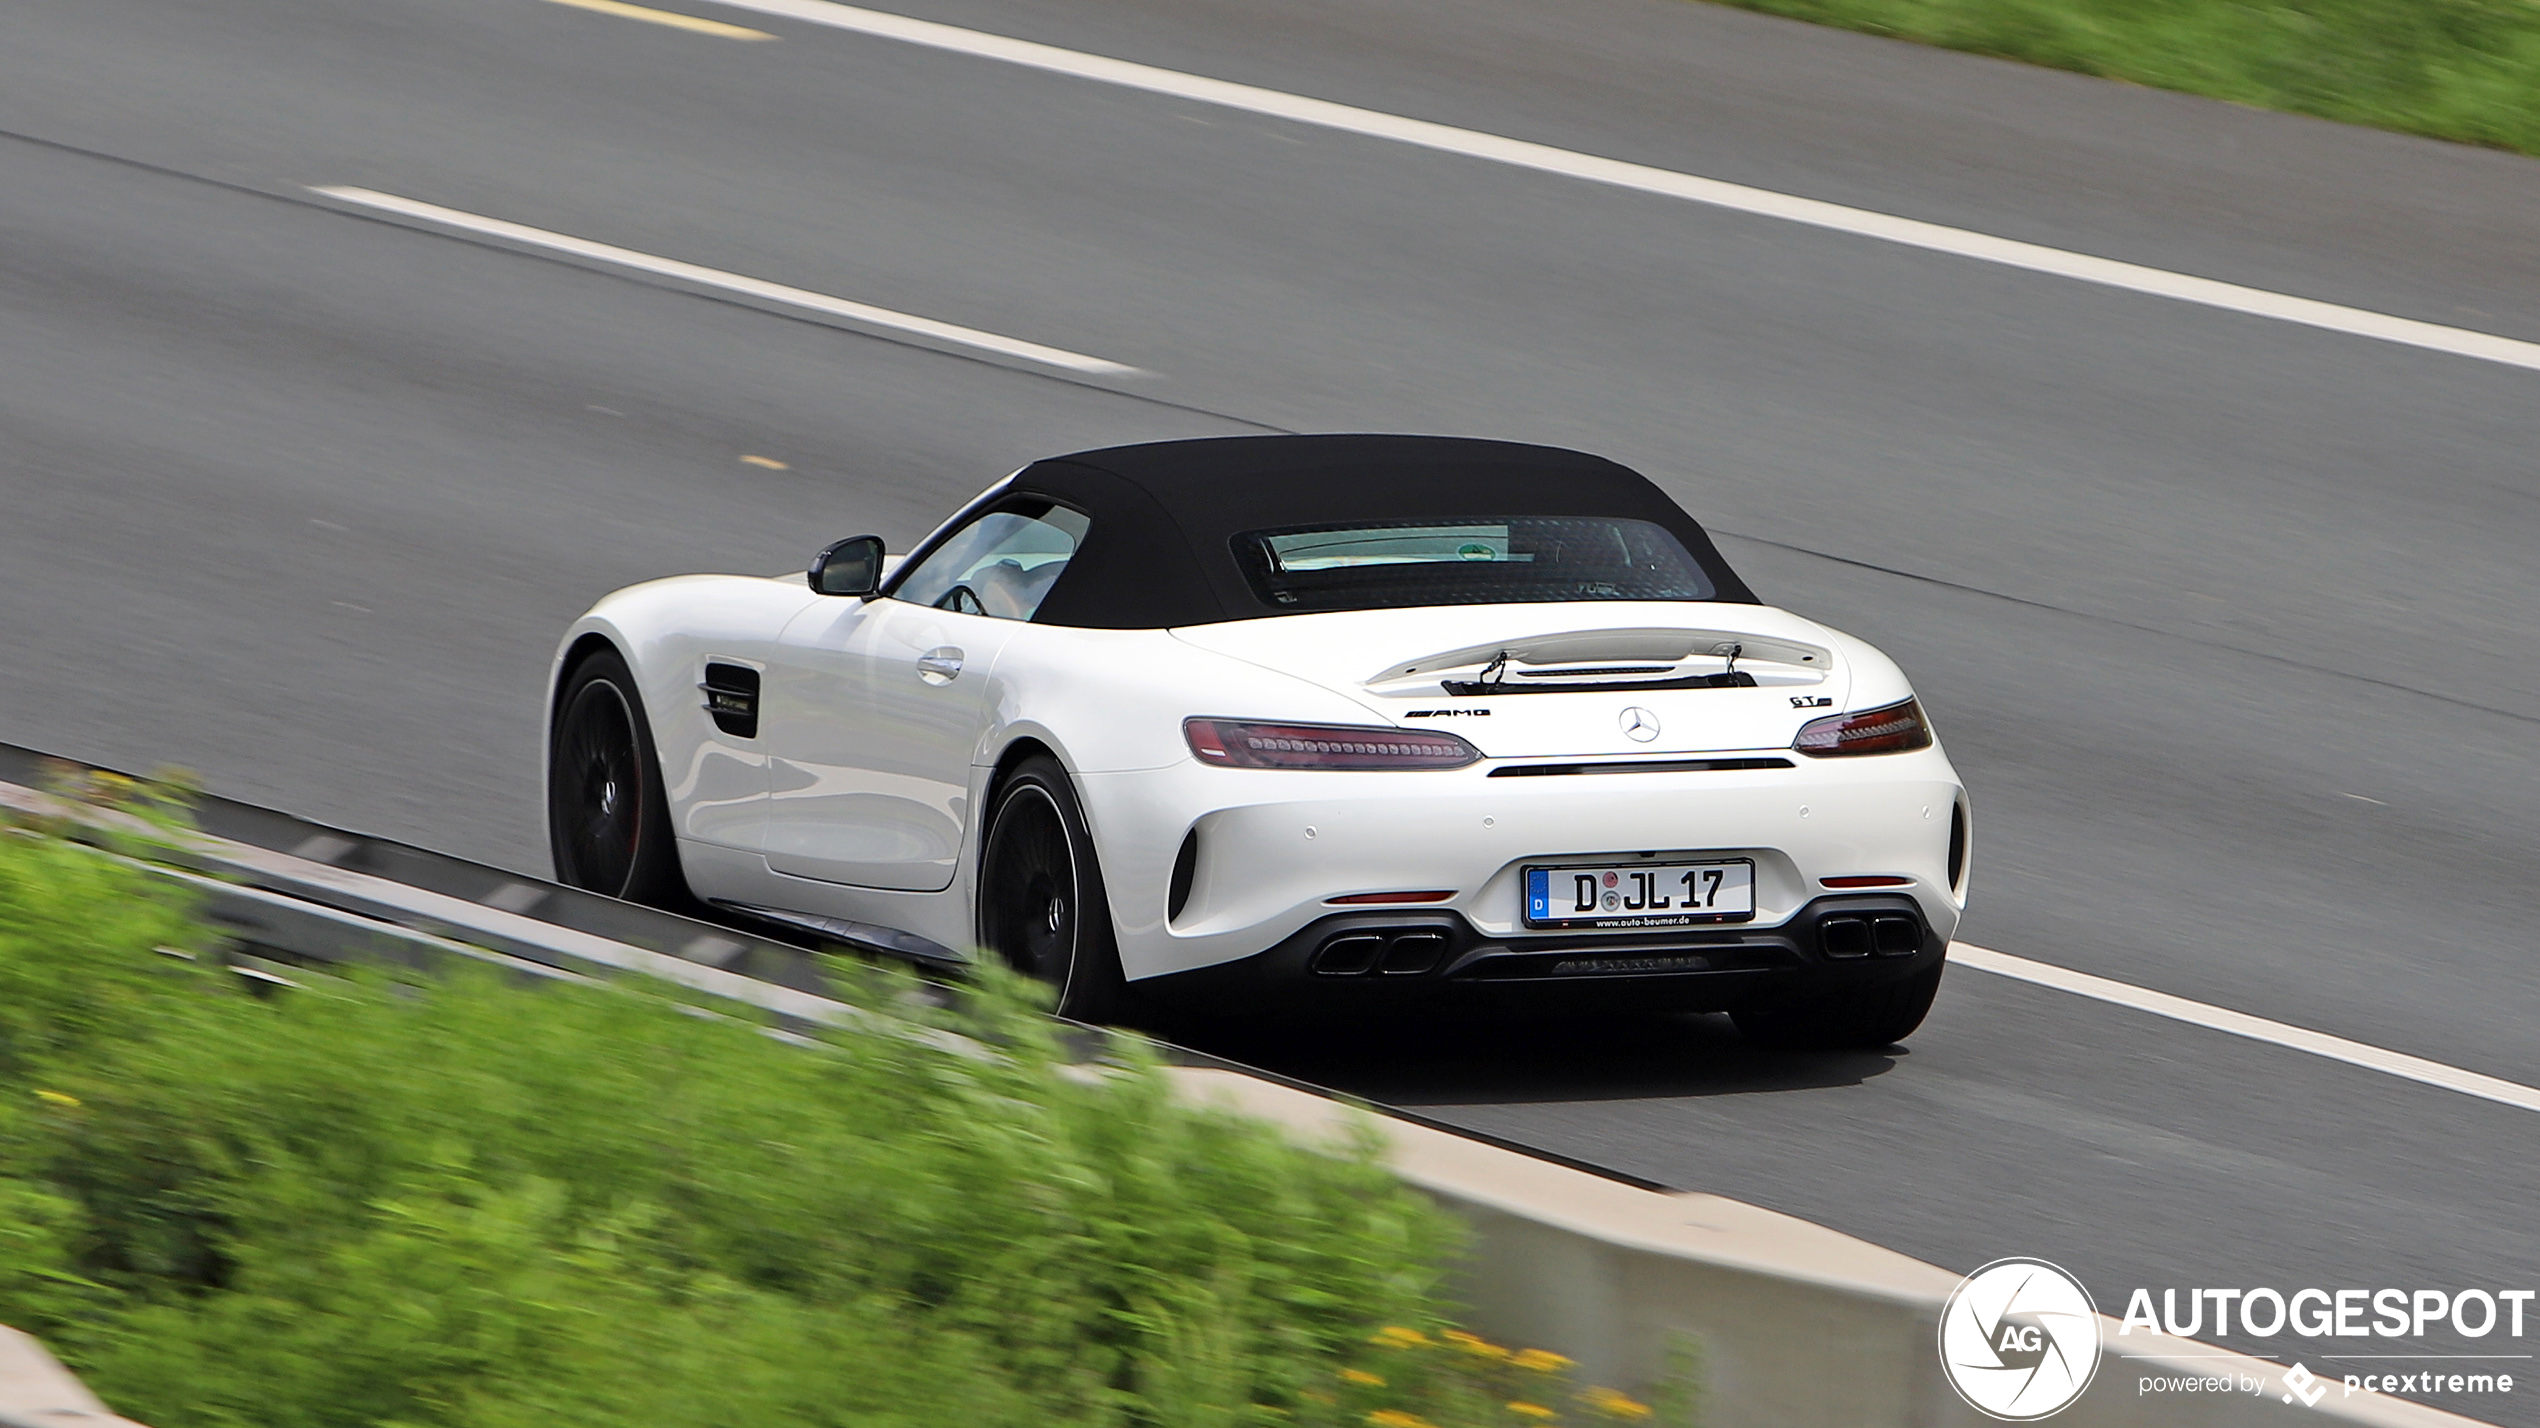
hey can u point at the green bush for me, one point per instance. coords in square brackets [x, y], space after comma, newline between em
[483, 1205]
[2455, 69]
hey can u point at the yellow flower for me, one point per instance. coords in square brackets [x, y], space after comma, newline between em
[1523, 1409]
[1353, 1375]
[1395, 1336]
[1396, 1418]
[1607, 1401]
[1540, 1360]
[1478, 1347]
[57, 1098]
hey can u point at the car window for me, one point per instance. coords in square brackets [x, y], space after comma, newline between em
[1390, 564]
[1001, 565]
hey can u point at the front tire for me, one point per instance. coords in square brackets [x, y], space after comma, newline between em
[1860, 1018]
[608, 816]
[1041, 902]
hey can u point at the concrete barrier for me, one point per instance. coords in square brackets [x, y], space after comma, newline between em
[1797, 1324]
[37, 1392]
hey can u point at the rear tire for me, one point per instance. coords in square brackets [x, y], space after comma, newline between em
[1041, 902]
[608, 816]
[1856, 1018]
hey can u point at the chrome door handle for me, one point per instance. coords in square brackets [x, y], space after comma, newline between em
[939, 665]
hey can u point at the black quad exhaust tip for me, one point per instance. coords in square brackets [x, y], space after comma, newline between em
[1845, 936]
[1350, 956]
[1412, 953]
[1896, 936]
[1409, 953]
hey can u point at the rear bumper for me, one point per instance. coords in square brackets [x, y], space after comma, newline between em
[1272, 847]
[1371, 961]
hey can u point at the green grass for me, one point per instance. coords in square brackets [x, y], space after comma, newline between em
[473, 1204]
[2456, 69]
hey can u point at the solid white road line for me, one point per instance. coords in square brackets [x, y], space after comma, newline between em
[2256, 302]
[857, 312]
[2275, 1033]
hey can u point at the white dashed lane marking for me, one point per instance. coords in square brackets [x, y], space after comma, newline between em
[863, 315]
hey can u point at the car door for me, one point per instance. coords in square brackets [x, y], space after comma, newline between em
[875, 709]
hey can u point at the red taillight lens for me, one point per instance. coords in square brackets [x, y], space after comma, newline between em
[1241, 744]
[1892, 729]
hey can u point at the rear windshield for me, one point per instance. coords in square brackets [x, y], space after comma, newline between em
[1376, 565]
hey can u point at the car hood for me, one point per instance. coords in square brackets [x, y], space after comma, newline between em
[1589, 670]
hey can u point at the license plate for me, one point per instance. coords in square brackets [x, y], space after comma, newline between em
[1640, 893]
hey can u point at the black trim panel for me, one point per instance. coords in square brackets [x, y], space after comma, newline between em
[1474, 688]
[865, 935]
[1393, 957]
[1631, 766]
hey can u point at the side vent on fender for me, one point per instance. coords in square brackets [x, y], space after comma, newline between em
[732, 699]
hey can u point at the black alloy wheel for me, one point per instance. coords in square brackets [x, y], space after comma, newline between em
[1041, 904]
[608, 821]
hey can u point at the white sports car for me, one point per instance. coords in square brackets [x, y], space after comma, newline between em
[1314, 721]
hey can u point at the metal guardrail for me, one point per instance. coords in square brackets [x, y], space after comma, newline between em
[305, 853]
[287, 890]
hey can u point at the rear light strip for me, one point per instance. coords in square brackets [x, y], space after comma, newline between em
[1889, 729]
[1243, 744]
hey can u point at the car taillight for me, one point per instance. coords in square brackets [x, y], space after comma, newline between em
[1890, 729]
[1242, 744]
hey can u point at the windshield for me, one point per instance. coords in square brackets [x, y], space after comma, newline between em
[1375, 565]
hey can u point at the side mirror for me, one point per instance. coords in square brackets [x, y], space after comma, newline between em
[851, 567]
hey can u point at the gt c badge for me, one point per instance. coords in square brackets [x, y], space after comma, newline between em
[1638, 724]
[1810, 701]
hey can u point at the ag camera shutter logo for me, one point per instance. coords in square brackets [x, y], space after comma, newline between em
[2019, 1340]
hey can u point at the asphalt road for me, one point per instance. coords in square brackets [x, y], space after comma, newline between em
[2228, 622]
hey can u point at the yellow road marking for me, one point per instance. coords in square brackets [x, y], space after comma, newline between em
[670, 18]
[769, 462]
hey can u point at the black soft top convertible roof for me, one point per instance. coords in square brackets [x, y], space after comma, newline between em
[1164, 516]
